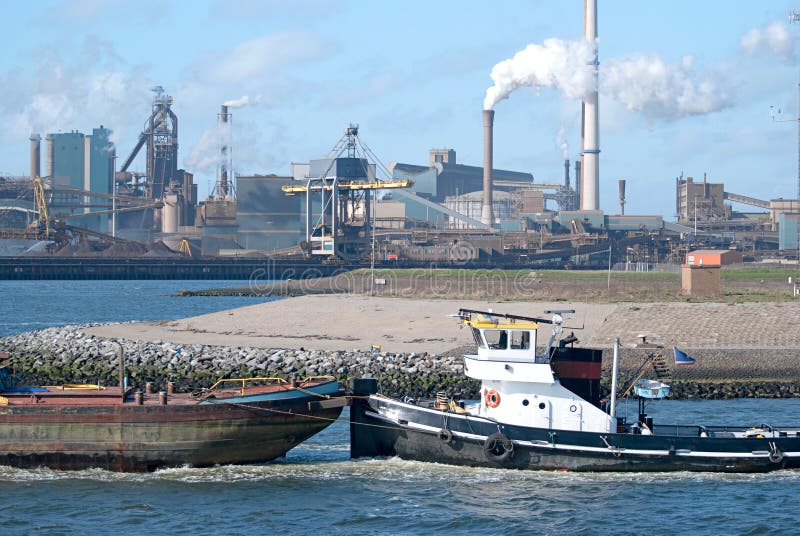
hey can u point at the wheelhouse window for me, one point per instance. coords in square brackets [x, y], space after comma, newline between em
[520, 340]
[497, 339]
[476, 334]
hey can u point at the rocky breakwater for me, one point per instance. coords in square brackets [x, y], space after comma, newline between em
[67, 354]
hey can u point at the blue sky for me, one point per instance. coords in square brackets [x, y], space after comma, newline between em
[413, 74]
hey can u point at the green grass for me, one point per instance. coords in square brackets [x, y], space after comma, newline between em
[759, 273]
[549, 275]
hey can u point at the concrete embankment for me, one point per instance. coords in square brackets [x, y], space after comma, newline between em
[72, 354]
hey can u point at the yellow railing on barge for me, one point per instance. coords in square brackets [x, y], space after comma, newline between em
[279, 381]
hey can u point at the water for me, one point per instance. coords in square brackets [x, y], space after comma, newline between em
[30, 305]
[317, 488]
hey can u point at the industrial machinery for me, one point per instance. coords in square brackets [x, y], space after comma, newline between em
[160, 134]
[346, 184]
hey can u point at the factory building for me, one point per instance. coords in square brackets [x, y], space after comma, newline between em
[268, 218]
[82, 162]
[445, 178]
[702, 201]
[505, 207]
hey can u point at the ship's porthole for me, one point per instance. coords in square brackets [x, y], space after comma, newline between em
[573, 408]
[525, 402]
[541, 405]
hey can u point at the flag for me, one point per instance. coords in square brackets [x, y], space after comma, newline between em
[682, 358]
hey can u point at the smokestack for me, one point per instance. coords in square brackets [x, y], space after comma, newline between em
[488, 124]
[622, 197]
[590, 182]
[223, 173]
[578, 182]
[566, 174]
[36, 156]
[48, 155]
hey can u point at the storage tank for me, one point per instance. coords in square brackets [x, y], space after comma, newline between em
[170, 214]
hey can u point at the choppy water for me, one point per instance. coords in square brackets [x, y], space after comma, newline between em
[318, 489]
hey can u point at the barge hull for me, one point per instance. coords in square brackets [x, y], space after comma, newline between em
[137, 438]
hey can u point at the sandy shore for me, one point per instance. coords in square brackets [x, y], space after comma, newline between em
[346, 322]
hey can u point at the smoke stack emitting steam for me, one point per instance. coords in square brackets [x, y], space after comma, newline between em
[643, 83]
[487, 217]
[590, 183]
[223, 171]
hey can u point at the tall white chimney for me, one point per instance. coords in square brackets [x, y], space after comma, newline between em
[487, 217]
[36, 156]
[590, 181]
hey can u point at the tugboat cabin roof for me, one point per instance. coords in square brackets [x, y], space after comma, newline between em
[488, 320]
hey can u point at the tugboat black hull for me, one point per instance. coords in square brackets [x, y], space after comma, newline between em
[382, 426]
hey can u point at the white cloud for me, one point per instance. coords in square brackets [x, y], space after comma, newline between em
[257, 59]
[774, 39]
[97, 88]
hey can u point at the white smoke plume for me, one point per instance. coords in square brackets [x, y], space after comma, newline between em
[243, 101]
[774, 39]
[563, 65]
[245, 144]
[643, 83]
[561, 142]
[655, 88]
[205, 155]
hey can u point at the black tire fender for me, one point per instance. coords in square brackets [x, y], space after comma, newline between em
[498, 448]
[446, 435]
[775, 456]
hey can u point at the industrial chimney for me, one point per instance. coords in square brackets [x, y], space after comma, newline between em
[590, 181]
[36, 156]
[487, 217]
[622, 197]
[223, 172]
[49, 153]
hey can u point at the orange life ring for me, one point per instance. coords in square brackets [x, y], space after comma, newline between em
[492, 398]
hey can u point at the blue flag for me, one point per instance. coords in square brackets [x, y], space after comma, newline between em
[682, 358]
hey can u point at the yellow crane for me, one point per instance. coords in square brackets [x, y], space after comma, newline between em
[291, 189]
[41, 205]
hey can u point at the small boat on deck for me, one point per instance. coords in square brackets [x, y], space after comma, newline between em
[651, 389]
[543, 410]
[236, 421]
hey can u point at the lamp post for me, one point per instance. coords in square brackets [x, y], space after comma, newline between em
[794, 16]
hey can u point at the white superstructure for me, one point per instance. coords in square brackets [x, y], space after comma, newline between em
[519, 386]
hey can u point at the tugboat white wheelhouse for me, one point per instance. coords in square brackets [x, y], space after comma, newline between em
[543, 411]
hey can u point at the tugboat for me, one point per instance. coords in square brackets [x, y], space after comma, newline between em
[235, 421]
[542, 410]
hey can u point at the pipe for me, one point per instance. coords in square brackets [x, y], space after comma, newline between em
[590, 182]
[614, 370]
[36, 156]
[487, 218]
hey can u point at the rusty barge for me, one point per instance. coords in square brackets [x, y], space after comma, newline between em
[239, 421]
